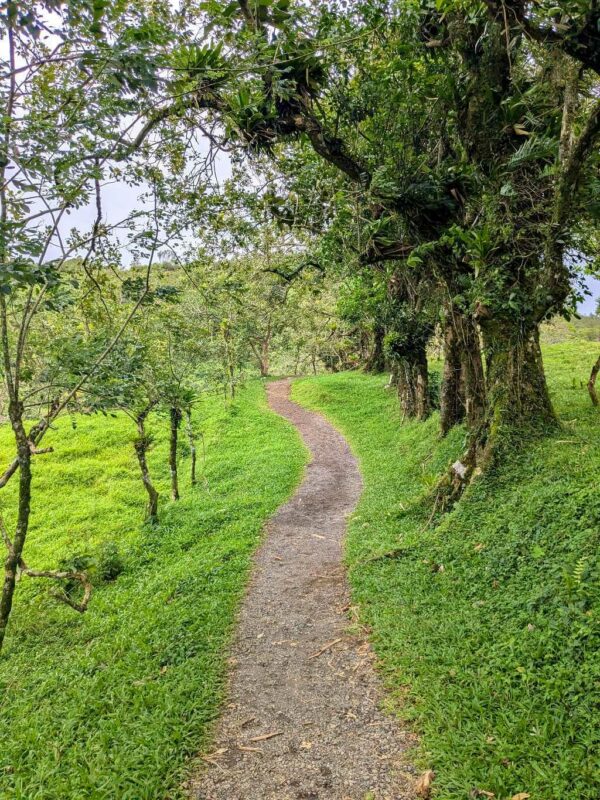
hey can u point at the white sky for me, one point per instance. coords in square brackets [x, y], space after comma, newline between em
[589, 306]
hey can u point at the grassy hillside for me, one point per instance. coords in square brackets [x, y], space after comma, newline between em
[106, 706]
[486, 625]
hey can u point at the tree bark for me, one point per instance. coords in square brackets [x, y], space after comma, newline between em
[15, 550]
[517, 391]
[175, 415]
[592, 383]
[452, 399]
[472, 373]
[463, 381]
[141, 445]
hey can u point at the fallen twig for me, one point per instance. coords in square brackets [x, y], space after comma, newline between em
[263, 737]
[325, 648]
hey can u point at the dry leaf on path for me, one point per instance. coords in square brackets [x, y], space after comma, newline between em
[423, 787]
[520, 796]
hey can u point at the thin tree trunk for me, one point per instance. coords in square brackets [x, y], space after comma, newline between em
[421, 373]
[265, 351]
[406, 390]
[175, 415]
[376, 360]
[141, 445]
[15, 550]
[264, 358]
[592, 383]
[297, 361]
[229, 363]
[192, 443]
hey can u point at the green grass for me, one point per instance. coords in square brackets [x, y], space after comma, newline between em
[486, 625]
[108, 705]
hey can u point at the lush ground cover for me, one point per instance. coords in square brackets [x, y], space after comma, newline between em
[108, 705]
[486, 622]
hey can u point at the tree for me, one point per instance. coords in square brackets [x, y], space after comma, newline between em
[69, 94]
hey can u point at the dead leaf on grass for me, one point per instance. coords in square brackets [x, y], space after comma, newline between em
[423, 787]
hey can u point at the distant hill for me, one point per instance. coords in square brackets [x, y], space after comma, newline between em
[561, 330]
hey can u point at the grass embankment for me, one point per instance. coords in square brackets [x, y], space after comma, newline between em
[486, 625]
[107, 705]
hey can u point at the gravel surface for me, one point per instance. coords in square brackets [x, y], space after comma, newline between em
[303, 720]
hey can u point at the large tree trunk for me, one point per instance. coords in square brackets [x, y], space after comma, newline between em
[518, 402]
[473, 376]
[141, 445]
[517, 391]
[15, 548]
[463, 382]
[376, 360]
[264, 362]
[175, 415]
[413, 386]
[452, 400]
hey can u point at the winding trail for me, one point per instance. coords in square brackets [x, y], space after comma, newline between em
[303, 721]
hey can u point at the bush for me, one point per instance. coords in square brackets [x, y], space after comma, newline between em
[109, 562]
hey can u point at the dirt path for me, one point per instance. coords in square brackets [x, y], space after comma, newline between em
[299, 675]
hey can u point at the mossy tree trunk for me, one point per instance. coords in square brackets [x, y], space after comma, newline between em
[15, 548]
[141, 445]
[517, 390]
[462, 395]
[518, 402]
[452, 399]
[413, 385]
[472, 372]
